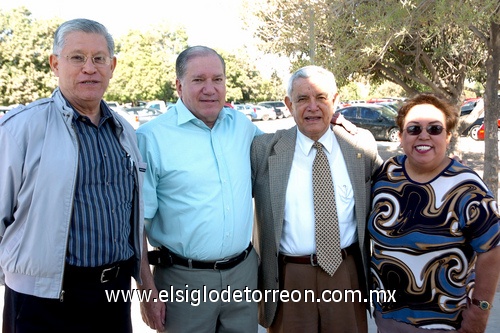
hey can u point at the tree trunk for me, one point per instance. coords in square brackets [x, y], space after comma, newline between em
[491, 113]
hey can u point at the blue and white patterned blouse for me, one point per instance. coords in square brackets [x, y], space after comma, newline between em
[425, 238]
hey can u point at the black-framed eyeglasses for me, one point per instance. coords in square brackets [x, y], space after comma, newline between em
[80, 60]
[431, 129]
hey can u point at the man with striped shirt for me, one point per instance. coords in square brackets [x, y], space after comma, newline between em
[70, 197]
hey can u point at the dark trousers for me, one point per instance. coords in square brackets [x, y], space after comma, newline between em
[84, 308]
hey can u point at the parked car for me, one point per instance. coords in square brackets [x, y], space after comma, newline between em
[473, 128]
[159, 105]
[246, 109]
[131, 118]
[279, 107]
[378, 119]
[379, 100]
[144, 114]
[468, 105]
[264, 113]
[112, 104]
[480, 131]
[394, 104]
[147, 114]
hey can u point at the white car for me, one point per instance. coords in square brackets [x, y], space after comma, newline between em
[279, 107]
[131, 118]
[264, 113]
[159, 105]
[113, 104]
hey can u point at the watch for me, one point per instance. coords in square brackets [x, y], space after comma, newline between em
[483, 305]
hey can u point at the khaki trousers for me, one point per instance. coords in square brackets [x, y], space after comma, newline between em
[347, 316]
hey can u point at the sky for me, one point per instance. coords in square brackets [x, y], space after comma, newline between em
[214, 23]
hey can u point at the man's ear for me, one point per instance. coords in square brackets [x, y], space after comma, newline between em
[336, 99]
[54, 64]
[288, 103]
[178, 87]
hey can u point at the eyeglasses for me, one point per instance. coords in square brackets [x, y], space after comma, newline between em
[431, 129]
[80, 60]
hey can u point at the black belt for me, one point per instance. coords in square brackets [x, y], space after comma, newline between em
[312, 258]
[165, 258]
[100, 274]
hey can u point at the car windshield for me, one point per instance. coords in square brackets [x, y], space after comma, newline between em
[388, 111]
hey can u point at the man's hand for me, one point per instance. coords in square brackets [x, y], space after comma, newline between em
[339, 119]
[153, 313]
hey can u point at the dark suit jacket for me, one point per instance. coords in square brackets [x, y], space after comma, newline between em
[271, 156]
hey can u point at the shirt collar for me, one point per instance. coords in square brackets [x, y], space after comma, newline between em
[305, 143]
[185, 116]
[105, 112]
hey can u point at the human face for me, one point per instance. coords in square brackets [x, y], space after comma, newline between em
[203, 88]
[425, 152]
[312, 106]
[83, 86]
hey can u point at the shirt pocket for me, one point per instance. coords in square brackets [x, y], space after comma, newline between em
[344, 193]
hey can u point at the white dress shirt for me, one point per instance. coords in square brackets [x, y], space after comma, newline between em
[298, 237]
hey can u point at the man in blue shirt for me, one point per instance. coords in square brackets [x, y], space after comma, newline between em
[198, 205]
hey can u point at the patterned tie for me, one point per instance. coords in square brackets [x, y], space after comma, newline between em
[325, 212]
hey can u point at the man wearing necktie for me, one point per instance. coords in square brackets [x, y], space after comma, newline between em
[311, 186]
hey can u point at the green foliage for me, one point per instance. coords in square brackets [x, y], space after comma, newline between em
[245, 83]
[146, 65]
[25, 47]
[419, 45]
[351, 91]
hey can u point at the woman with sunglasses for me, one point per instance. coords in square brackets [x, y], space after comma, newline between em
[434, 231]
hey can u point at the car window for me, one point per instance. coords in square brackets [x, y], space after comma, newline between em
[388, 111]
[349, 113]
[370, 114]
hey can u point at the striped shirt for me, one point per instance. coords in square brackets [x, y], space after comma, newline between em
[100, 224]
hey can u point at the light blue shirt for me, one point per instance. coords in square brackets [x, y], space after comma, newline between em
[197, 187]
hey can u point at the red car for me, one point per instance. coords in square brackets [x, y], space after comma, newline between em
[480, 132]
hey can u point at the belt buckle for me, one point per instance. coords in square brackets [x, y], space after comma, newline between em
[219, 262]
[104, 271]
[311, 258]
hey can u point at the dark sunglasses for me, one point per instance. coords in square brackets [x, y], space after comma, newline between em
[431, 129]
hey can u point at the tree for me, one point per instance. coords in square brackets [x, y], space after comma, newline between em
[489, 33]
[245, 82]
[416, 44]
[146, 65]
[421, 45]
[25, 46]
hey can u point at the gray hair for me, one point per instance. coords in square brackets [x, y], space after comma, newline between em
[81, 25]
[193, 52]
[312, 71]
